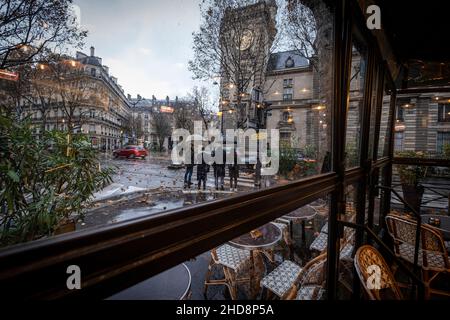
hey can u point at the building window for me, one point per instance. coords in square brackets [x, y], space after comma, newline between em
[399, 138]
[287, 94]
[287, 83]
[93, 72]
[444, 112]
[400, 114]
[289, 63]
[443, 138]
[288, 90]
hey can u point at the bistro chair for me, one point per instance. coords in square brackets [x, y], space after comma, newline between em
[365, 259]
[310, 285]
[233, 261]
[285, 247]
[433, 255]
[290, 281]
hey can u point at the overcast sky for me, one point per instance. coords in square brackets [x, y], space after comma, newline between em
[145, 43]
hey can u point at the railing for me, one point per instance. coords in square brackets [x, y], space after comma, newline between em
[116, 257]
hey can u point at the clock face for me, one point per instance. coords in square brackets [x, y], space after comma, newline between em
[246, 40]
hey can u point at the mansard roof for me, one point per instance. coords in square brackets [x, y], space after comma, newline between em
[286, 60]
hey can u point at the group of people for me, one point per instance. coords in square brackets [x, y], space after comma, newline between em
[218, 169]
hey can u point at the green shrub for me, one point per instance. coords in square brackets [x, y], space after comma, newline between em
[411, 174]
[45, 181]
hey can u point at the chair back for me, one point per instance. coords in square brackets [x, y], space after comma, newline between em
[313, 273]
[433, 254]
[369, 262]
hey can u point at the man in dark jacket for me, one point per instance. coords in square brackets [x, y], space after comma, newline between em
[189, 169]
[219, 169]
[202, 172]
[233, 170]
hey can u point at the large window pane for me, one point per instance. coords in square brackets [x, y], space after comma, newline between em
[422, 129]
[356, 102]
[385, 122]
[100, 122]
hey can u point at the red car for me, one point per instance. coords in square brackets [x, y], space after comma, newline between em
[131, 152]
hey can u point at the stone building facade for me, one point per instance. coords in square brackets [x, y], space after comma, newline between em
[143, 110]
[422, 123]
[101, 109]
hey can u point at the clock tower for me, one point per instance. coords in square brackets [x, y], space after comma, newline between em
[247, 35]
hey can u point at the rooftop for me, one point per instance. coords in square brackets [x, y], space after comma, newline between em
[286, 60]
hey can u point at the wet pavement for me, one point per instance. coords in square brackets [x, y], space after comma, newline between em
[146, 187]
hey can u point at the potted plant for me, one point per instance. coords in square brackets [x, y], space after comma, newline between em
[411, 177]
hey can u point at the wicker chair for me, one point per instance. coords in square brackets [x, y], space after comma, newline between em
[233, 261]
[433, 255]
[366, 257]
[290, 281]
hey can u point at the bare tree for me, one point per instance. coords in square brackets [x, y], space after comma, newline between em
[228, 46]
[30, 27]
[133, 126]
[163, 129]
[75, 90]
[201, 102]
[309, 27]
[300, 29]
[184, 115]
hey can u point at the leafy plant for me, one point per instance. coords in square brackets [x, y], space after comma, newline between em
[351, 155]
[446, 151]
[288, 159]
[411, 174]
[44, 182]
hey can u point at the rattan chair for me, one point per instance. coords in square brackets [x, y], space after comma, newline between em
[366, 261]
[233, 262]
[433, 255]
[290, 281]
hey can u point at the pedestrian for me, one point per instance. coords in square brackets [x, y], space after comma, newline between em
[189, 169]
[219, 169]
[233, 170]
[258, 167]
[202, 172]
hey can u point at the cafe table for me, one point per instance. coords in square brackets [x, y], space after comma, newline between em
[172, 284]
[261, 240]
[302, 215]
[444, 225]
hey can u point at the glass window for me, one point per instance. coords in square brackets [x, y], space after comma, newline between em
[356, 103]
[288, 94]
[250, 78]
[399, 140]
[443, 142]
[385, 130]
[444, 112]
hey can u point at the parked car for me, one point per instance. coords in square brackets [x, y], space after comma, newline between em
[131, 152]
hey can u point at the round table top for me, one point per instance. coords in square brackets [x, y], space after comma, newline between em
[304, 213]
[270, 236]
[172, 284]
[444, 227]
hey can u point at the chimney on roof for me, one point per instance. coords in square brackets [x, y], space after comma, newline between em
[129, 96]
[92, 51]
[106, 68]
[139, 97]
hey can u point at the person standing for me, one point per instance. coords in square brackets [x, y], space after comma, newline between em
[189, 169]
[233, 170]
[202, 172]
[219, 169]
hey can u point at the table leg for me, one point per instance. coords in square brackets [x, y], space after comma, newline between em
[303, 231]
[252, 274]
